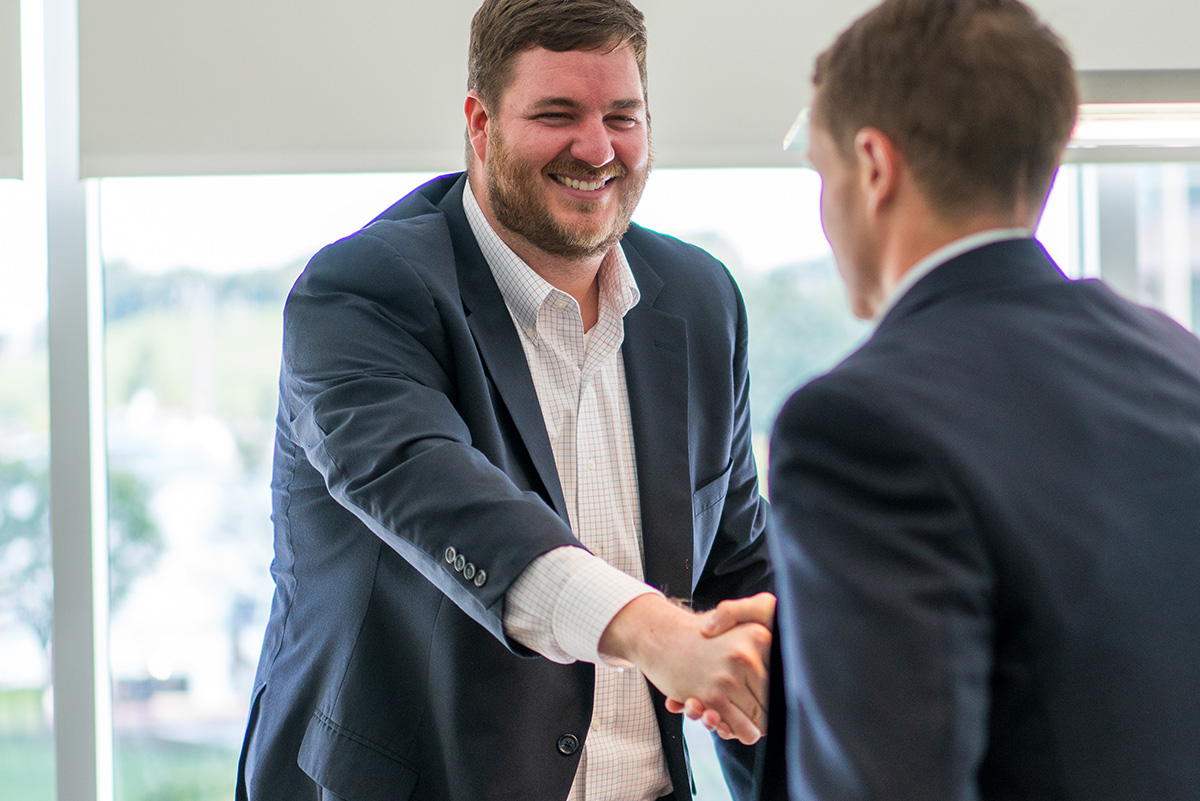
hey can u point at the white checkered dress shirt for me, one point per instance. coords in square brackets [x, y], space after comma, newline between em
[561, 603]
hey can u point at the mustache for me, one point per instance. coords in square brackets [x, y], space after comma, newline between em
[614, 169]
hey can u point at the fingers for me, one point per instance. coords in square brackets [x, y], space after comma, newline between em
[734, 702]
[695, 710]
[758, 608]
[731, 722]
[712, 721]
[724, 675]
[708, 718]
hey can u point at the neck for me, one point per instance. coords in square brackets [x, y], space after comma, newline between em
[914, 239]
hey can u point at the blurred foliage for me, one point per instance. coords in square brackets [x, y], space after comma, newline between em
[800, 327]
[26, 571]
[198, 342]
[149, 769]
[146, 769]
[27, 766]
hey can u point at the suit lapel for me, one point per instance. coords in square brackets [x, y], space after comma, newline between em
[656, 372]
[500, 345]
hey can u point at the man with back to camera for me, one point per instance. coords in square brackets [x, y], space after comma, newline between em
[987, 520]
[510, 425]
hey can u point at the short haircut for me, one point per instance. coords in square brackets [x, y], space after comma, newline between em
[979, 96]
[503, 29]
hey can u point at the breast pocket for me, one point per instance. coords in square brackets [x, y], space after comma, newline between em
[707, 504]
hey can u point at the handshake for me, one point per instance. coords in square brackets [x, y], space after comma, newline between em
[711, 666]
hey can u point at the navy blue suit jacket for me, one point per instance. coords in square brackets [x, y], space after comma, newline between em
[414, 482]
[987, 547]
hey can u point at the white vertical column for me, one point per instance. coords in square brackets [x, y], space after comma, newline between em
[1089, 221]
[78, 487]
[1177, 267]
[1117, 215]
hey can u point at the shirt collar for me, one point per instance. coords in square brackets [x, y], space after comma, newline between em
[525, 291]
[942, 255]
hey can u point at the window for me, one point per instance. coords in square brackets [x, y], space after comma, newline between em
[196, 271]
[26, 583]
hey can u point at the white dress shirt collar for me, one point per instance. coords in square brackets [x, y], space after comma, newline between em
[942, 255]
[525, 291]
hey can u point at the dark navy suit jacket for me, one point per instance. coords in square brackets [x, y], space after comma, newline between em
[414, 482]
[987, 547]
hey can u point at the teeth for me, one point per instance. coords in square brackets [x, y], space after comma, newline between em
[588, 186]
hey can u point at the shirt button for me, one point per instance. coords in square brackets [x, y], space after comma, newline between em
[529, 332]
[560, 304]
[568, 744]
[591, 463]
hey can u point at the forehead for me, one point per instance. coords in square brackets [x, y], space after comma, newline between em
[605, 77]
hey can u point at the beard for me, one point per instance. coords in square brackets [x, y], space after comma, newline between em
[518, 199]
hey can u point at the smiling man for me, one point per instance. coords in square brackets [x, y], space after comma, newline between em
[513, 433]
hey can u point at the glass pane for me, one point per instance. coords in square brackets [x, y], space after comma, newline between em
[799, 317]
[196, 272]
[1168, 235]
[26, 585]
[1136, 226]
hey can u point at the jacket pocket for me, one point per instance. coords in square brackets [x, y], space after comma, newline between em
[707, 505]
[712, 493]
[352, 766]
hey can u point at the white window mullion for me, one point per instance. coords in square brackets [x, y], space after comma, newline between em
[78, 491]
[1177, 249]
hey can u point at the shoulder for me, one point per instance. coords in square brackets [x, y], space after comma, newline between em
[672, 258]
[688, 277]
[410, 241]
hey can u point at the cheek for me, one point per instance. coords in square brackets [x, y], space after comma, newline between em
[633, 150]
[828, 213]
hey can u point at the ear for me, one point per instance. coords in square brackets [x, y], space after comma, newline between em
[477, 125]
[879, 167]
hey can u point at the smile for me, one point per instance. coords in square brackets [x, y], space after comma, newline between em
[587, 186]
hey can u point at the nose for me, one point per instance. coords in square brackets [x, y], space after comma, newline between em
[593, 143]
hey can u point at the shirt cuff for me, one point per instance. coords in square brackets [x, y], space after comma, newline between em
[563, 601]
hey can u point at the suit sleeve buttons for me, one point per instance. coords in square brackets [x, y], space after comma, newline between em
[460, 564]
[568, 744]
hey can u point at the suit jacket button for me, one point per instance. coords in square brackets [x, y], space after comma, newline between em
[568, 744]
[460, 563]
[481, 578]
[450, 555]
[469, 571]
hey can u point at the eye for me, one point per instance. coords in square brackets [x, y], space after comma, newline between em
[623, 122]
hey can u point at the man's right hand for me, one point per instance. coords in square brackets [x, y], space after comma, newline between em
[728, 614]
[725, 672]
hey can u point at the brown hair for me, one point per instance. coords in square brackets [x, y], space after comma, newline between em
[979, 95]
[503, 29]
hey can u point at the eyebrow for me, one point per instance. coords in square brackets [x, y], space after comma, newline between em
[567, 102]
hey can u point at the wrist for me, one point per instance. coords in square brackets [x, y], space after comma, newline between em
[638, 631]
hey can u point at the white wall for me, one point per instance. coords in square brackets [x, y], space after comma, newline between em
[244, 86]
[10, 88]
